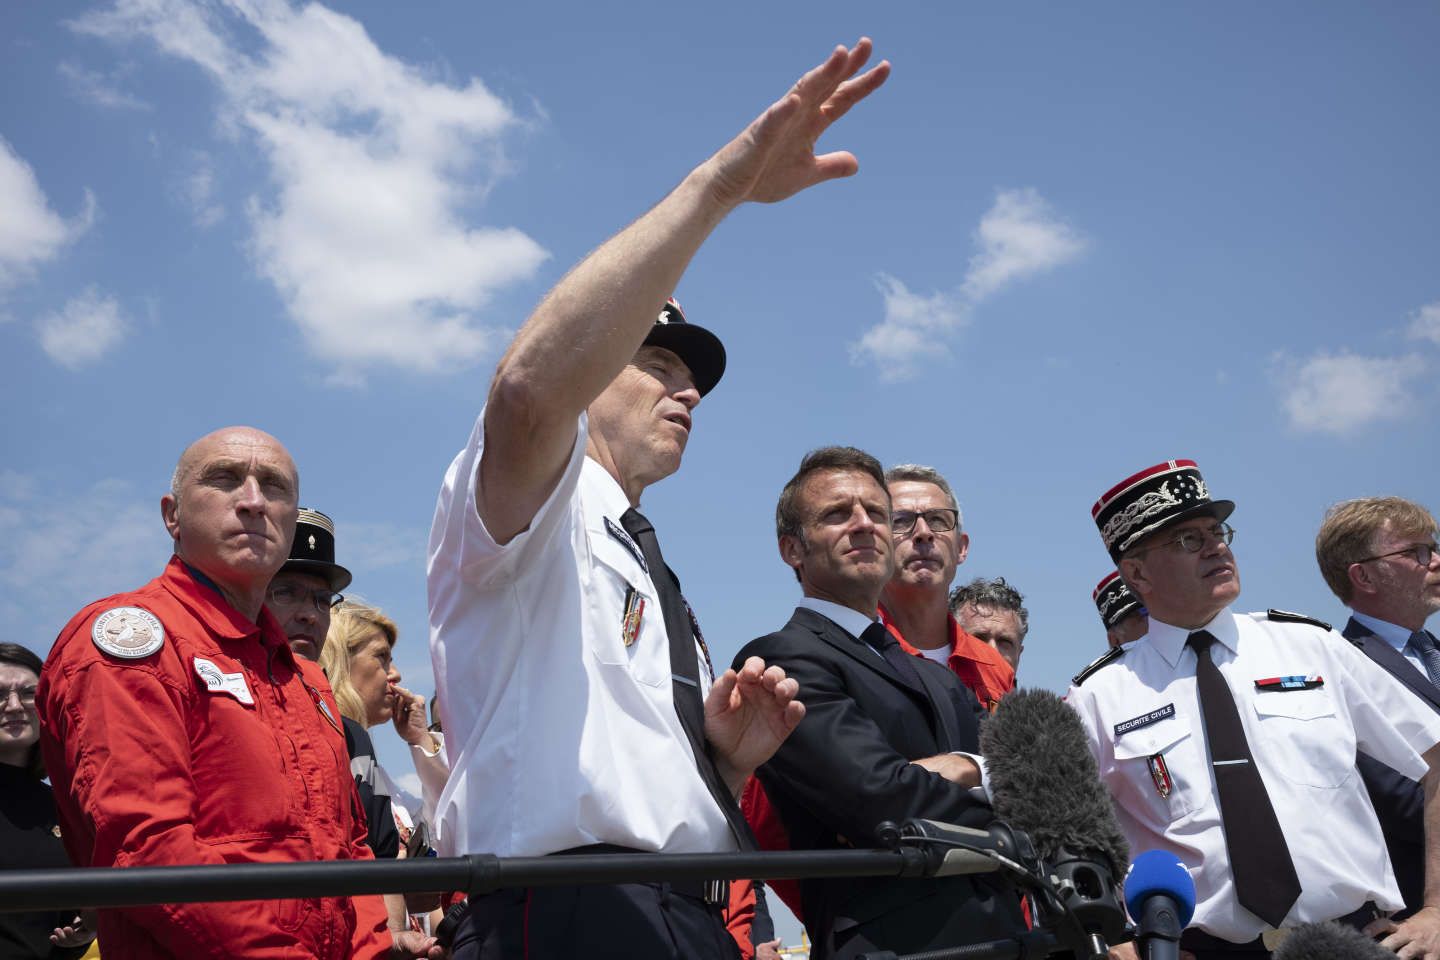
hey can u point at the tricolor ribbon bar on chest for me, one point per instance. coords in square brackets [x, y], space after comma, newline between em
[1286, 684]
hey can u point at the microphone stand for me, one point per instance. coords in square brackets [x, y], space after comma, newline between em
[1077, 904]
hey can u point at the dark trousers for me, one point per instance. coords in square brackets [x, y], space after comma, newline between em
[643, 921]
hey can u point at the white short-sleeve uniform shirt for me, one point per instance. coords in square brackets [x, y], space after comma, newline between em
[1303, 737]
[559, 733]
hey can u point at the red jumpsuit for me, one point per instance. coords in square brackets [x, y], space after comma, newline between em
[154, 765]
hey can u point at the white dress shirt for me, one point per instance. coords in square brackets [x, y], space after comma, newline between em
[559, 734]
[1303, 741]
[1395, 635]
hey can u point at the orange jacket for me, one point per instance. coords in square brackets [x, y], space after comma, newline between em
[988, 675]
[154, 764]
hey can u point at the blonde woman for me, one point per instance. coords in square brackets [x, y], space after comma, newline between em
[358, 659]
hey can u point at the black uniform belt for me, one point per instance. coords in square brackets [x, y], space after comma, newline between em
[712, 892]
[1200, 940]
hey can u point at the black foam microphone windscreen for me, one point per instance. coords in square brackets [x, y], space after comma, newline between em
[1329, 941]
[1045, 782]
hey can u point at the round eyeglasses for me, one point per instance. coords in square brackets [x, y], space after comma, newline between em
[1193, 541]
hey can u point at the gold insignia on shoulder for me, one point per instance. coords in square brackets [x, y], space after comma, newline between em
[128, 632]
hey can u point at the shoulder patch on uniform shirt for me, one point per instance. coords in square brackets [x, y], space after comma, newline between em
[129, 633]
[618, 532]
[1285, 616]
[1105, 659]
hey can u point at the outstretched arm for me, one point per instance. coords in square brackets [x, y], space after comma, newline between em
[590, 325]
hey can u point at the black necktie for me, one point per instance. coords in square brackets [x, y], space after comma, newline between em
[1265, 879]
[685, 671]
[884, 643]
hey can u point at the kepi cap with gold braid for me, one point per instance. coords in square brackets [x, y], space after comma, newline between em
[1114, 600]
[313, 550]
[1151, 500]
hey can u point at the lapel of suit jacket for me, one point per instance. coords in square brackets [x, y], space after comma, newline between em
[1393, 661]
[942, 704]
[856, 649]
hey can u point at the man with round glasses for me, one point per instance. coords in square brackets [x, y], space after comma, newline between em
[930, 544]
[1378, 555]
[1230, 739]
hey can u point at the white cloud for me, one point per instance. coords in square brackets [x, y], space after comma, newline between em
[1341, 393]
[61, 551]
[83, 331]
[1018, 237]
[1425, 323]
[30, 232]
[371, 164]
[100, 89]
[198, 192]
[906, 337]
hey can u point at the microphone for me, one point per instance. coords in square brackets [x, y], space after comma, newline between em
[995, 849]
[1045, 783]
[1160, 895]
[1329, 941]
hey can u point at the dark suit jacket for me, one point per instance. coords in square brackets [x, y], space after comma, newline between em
[847, 767]
[1399, 801]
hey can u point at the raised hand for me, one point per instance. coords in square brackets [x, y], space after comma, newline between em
[409, 719]
[774, 157]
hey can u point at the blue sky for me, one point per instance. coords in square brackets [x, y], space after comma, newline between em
[1082, 240]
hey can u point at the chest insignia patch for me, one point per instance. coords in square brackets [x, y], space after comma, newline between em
[217, 681]
[1298, 682]
[630, 622]
[1144, 720]
[618, 533]
[128, 632]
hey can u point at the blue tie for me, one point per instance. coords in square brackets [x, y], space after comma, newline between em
[1424, 644]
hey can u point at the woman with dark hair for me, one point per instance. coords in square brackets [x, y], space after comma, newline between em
[29, 836]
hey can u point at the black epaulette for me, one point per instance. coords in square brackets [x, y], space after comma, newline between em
[1285, 616]
[1105, 659]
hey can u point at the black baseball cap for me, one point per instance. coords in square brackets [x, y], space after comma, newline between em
[701, 350]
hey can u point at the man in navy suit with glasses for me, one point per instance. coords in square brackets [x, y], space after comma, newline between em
[1379, 556]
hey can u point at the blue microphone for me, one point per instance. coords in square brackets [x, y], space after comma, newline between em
[1160, 896]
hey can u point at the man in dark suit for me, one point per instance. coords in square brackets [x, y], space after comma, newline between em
[1379, 556]
[885, 734]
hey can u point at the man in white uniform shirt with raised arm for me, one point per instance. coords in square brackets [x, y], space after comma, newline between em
[571, 669]
[1230, 739]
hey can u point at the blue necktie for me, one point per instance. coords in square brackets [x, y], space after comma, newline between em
[1424, 644]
